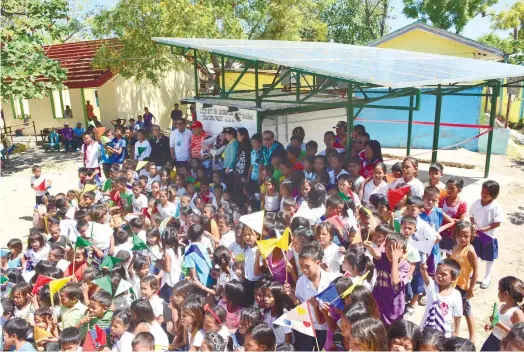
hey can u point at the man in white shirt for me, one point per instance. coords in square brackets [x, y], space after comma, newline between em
[179, 142]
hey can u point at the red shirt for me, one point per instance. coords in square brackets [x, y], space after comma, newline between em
[298, 166]
[196, 144]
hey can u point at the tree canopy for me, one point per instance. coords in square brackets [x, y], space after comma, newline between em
[446, 14]
[25, 26]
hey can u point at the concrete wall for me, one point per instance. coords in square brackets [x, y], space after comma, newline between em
[118, 98]
[455, 109]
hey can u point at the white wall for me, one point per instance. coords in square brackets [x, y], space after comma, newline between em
[315, 124]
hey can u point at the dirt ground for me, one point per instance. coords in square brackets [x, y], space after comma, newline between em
[17, 202]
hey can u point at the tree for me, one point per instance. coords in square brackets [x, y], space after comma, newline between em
[355, 21]
[134, 22]
[25, 25]
[513, 44]
[446, 13]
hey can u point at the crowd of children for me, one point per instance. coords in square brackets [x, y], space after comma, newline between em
[158, 257]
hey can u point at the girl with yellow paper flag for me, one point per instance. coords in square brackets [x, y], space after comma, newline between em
[276, 260]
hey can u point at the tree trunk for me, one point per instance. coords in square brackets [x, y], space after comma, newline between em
[385, 8]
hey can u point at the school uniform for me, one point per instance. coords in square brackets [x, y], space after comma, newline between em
[304, 291]
[485, 216]
[249, 274]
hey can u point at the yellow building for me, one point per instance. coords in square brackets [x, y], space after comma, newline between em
[422, 37]
[111, 95]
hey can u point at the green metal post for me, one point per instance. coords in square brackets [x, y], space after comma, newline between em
[52, 99]
[259, 122]
[436, 126]
[61, 103]
[223, 77]
[13, 107]
[84, 108]
[257, 99]
[410, 124]
[492, 116]
[297, 84]
[21, 108]
[349, 117]
[197, 88]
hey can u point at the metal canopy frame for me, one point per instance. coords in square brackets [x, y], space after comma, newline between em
[328, 86]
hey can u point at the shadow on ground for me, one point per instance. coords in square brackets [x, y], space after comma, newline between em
[519, 163]
[517, 217]
[26, 160]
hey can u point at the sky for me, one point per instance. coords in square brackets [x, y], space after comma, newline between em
[474, 29]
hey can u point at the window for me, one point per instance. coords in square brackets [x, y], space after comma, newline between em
[20, 109]
[59, 101]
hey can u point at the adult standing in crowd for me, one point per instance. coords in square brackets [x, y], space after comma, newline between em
[176, 114]
[241, 176]
[179, 141]
[149, 120]
[270, 145]
[160, 153]
[197, 138]
[79, 134]
[341, 136]
[90, 109]
[230, 155]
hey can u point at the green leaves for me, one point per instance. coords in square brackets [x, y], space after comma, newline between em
[446, 14]
[25, 25]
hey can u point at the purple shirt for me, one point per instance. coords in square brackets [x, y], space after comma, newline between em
[391, 299]
[148, 119]
[67, 133]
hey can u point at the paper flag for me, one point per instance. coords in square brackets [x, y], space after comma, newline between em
[104, 140]
[297, 319]
[95, 340]
[396, 195]
[138, 244]
[108, 184]
[82, 243]
[40, 334]
[141, 164]
[163, 225]
[357, 282]
[484, 238]
[89, 188]
[267, 246]
[330, 295]
[109, 262]
[254, 220]
[15, 263]
[4, 252]
[193, 248]
[240, 257]
[104, 283]
[123, 286]
[424, 241]
[40, 282]
[495, 315]
[140, 150]
[390, 178]
[3, 279]
[443, 194]
[56, 285]
[100, 131]
[41, 186]
[28, 275]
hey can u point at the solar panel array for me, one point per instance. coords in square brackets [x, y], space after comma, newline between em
[384, 67]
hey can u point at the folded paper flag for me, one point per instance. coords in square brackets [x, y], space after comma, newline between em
[82, 243]
[109, 262]
[40, 334]
[41, 186]
[89, 188]
[95, 340]
[484, 238]
[297, 319]
[396, 195]
[141, 164]
[193, 248]
[254, 220]
[15, 263]
[356, 282]
[104, 283]
[330, 295]
[123, 286]
[104, 140]
[141, 150]
[56, 285]
[495, 315]
[138, 244]
[267, 246]
[40, 282]
[4, 252]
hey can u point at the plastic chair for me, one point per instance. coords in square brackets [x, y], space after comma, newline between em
[53, 142]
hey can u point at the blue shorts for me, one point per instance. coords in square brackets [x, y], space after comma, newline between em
[417, 283]
[447, 243]
[488, 252]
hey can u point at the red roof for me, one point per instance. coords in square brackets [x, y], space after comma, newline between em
[77, 58]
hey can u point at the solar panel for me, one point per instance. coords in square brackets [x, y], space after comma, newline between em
[385, 67]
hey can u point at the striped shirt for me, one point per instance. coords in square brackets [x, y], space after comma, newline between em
[196, 144]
